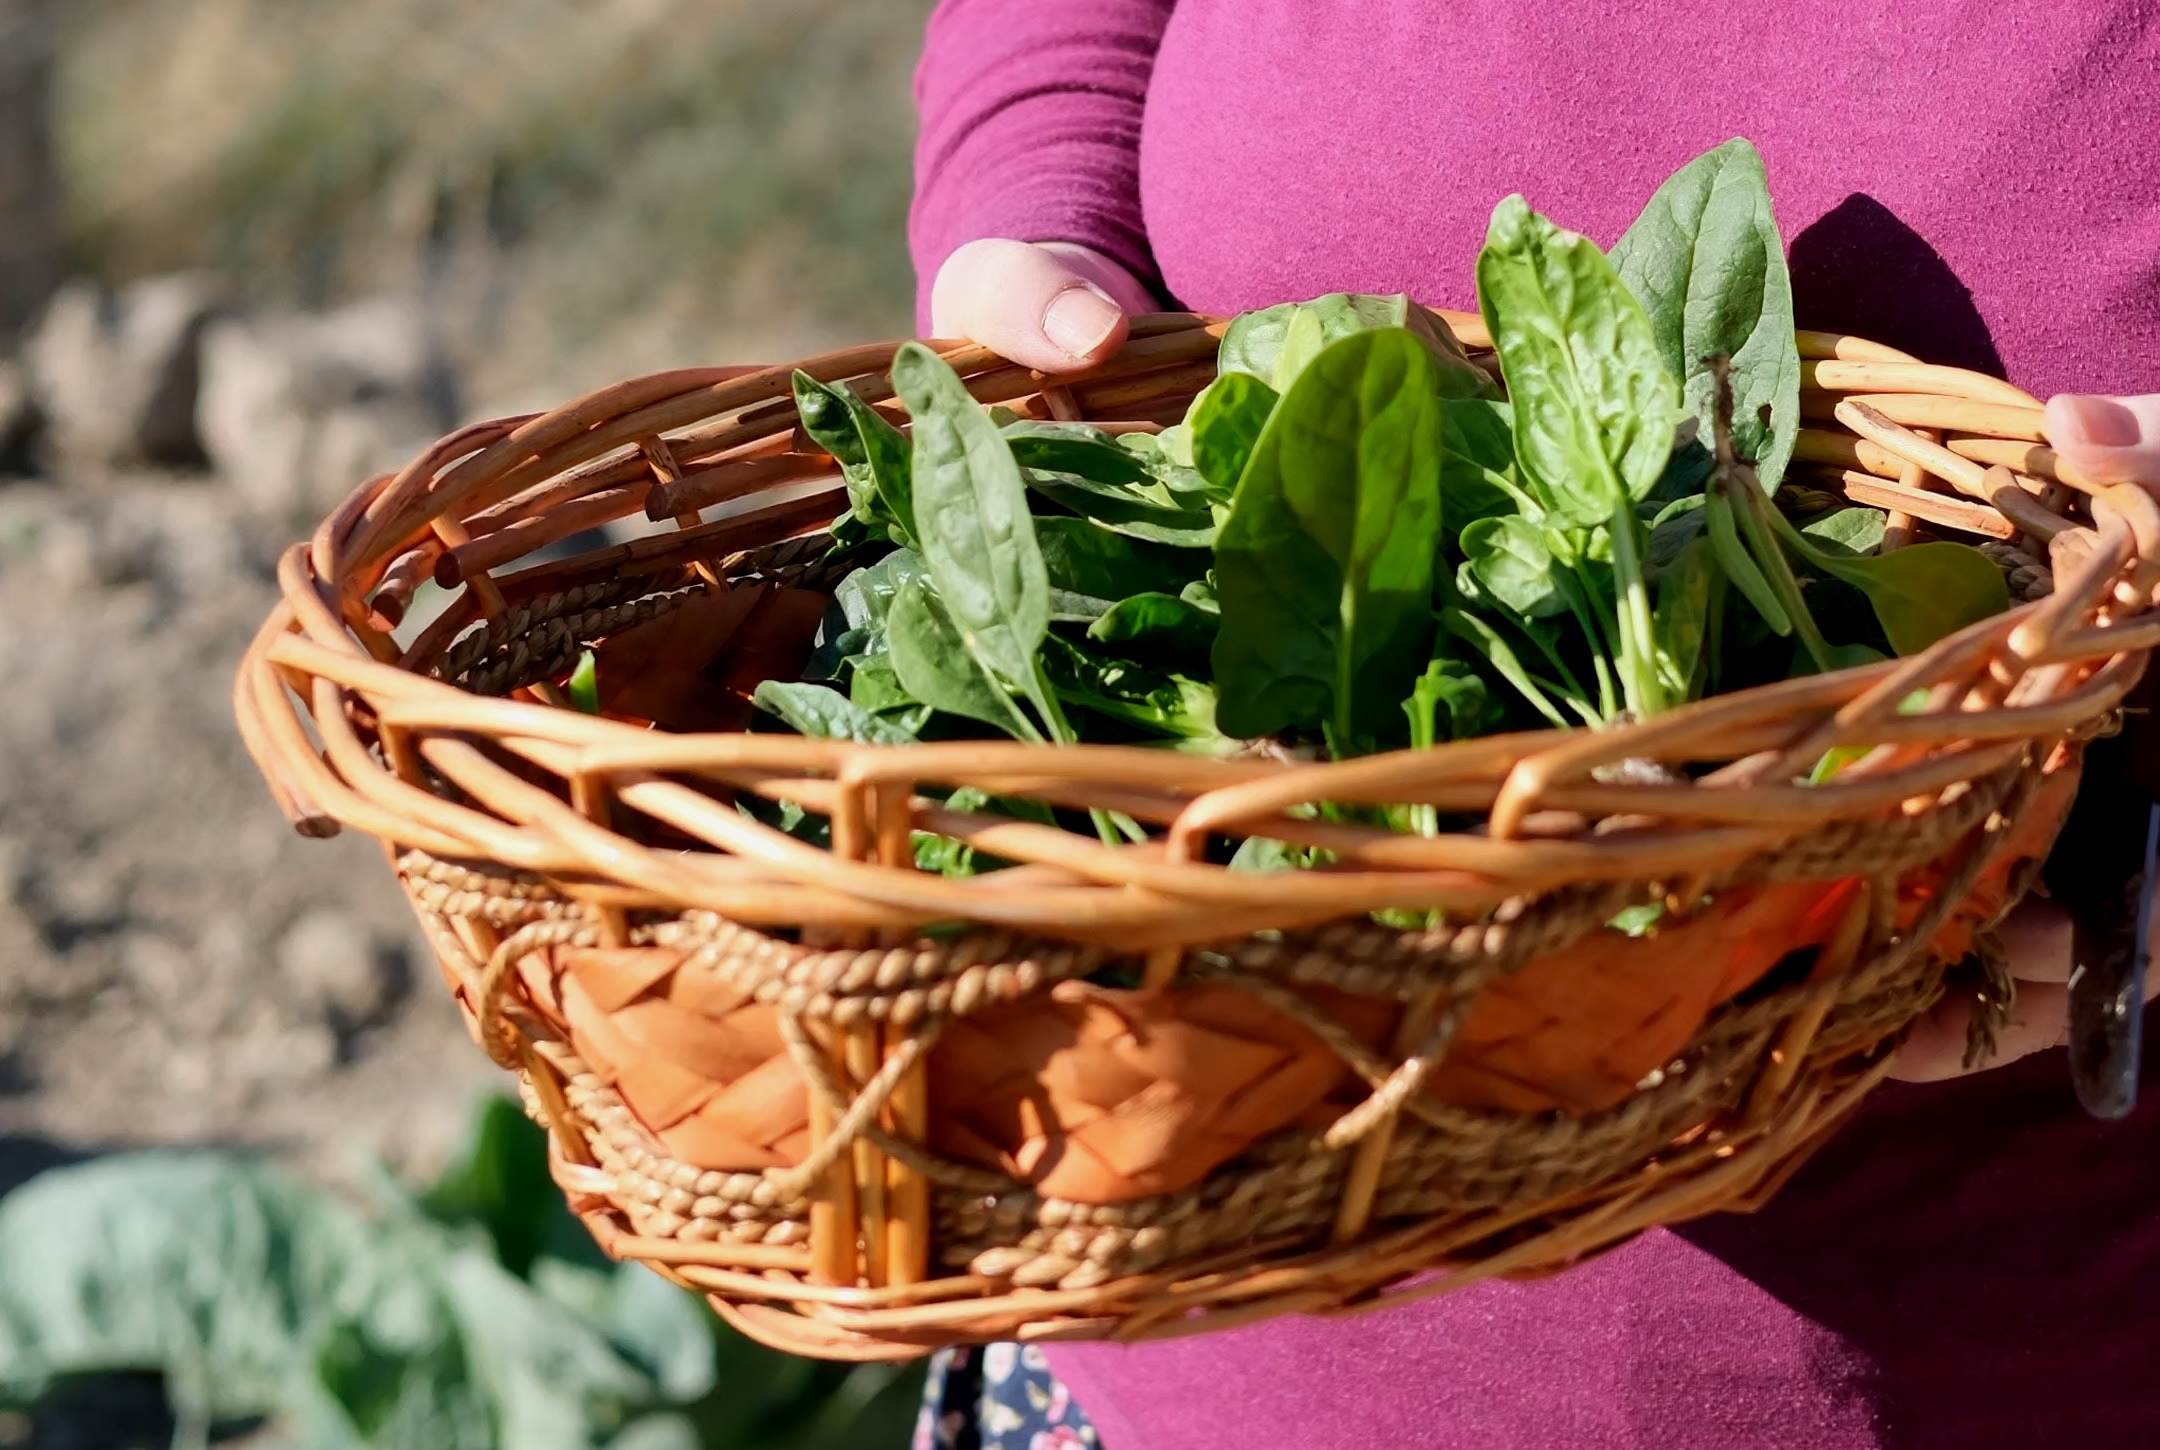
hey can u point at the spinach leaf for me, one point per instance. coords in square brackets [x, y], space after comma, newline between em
[935, 665]
[822, 713]
[1150, 512]
[1153, 700]
[1253, 341]
[1852, 531]
[1325, 566]
[1091, 568]
[584, 688]
[1498, 653]
[874, 685]
[1076, 449]
[1740, 567]
[1167, 457]
[976, 532]
[866, 596]
[1595, 407]
[1920, 593]
[951, 858]
[1276, 344]
[1226, 424]
[1706, 260]
[1477, 466]
[854, 627]
[1688, 593]
[1594, 404]
[1688, 469]
[1259, 853]
[1546, 634]
[1450, 690]
[1676, 526]
[1167, 622]
[871, 452]
[1509, 558]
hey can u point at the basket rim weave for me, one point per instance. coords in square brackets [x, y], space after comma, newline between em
[1166, 896]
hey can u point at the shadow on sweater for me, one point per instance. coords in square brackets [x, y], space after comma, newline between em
[1859, 269]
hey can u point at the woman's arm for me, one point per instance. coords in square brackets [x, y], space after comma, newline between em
[1031, 135]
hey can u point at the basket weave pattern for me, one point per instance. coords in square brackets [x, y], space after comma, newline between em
[773, 1072]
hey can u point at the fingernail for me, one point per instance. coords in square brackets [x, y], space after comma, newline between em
[2100, 422]
[1080, 320]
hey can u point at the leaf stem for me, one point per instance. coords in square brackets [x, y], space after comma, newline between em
[1639, 680]
[1734, 484]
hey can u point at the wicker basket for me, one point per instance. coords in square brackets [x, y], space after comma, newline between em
[871, 1110]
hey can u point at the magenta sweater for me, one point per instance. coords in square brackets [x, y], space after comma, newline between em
[1971, 1265]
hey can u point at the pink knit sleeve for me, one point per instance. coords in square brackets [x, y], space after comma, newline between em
[1031, 128]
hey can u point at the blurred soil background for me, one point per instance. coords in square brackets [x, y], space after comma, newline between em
[252, 252]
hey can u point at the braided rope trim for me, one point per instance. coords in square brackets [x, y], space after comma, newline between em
[908, 984]
[1443, 1161]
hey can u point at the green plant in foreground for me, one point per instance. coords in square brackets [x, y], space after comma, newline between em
[476, 1315]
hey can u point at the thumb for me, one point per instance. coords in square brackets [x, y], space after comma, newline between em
[1055, 307]
[2109, 440]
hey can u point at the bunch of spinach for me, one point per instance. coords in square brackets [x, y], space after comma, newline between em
[1356, 541]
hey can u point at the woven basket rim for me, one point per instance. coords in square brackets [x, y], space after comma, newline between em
[1679, 829]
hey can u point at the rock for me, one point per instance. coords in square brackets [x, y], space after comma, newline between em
[29, 180]
[297, 411]
[160, 969]
[333, 967]
[117, 377]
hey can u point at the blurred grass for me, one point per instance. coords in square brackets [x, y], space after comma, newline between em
[581, 188]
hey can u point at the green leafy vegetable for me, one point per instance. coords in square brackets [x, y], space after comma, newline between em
[1477, 465]
[1276, 344]
[1091, 568]
[934, 664]
[1076, 449]
[1921, 593]
[1166, 622]
[1156, 701]
[1688, 595]
[1226, 424]
[585, 684]
[1149, 511]
[1847, 531]
[823, 713]
[1594, 404]
[1509, 557]
[1497, 652]
[1706, 260]
[975, 529]
[1324, 569]
[872, 453]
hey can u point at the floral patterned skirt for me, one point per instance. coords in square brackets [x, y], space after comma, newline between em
[999, 1398]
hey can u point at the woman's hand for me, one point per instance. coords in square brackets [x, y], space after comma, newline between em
[1053, 306]
[2109, 440]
